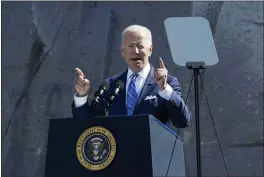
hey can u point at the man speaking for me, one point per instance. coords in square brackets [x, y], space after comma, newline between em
[146, 90]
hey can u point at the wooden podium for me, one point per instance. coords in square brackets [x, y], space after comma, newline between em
[117, 146]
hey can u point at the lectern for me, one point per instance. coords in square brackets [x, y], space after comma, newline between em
[117, 146]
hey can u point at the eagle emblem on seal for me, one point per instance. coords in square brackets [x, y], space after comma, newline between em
[96, 148]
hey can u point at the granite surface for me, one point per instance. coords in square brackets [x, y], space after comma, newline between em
[42, 43]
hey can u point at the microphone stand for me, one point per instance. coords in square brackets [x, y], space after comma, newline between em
[108, 105]
[196, 66]
[111, 98]
[109, 102]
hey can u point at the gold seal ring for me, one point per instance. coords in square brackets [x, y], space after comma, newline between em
[96, 148]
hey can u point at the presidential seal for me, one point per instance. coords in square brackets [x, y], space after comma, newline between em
[96, 148]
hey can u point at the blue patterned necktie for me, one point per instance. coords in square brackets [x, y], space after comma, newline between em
[131, 95]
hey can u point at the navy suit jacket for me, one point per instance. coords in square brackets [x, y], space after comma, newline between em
[173, 109]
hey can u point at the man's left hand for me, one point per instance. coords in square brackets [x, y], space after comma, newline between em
[161, 75]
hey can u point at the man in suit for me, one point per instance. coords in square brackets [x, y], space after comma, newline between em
[147, 90]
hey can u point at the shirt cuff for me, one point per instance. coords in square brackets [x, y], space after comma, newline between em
[80, 101]
[166, 93]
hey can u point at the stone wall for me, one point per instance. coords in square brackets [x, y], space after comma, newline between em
[42, 43]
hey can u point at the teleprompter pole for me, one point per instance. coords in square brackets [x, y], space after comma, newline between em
[196, 66]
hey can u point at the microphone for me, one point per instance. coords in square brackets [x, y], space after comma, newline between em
[115, 92]
[100, 92]
[119, 86]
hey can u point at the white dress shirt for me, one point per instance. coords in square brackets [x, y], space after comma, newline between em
[139, 82]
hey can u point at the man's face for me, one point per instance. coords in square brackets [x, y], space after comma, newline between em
[136, 50]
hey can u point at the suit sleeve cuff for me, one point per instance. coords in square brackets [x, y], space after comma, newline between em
[80, 101]
[166, 93]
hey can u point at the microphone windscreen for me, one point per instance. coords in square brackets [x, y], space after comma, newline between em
[120, 84]
[106, 85]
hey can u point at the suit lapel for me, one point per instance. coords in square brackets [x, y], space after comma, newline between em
[122, 94]
[149, 85]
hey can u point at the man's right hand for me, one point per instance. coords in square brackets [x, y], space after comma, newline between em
[82, 85]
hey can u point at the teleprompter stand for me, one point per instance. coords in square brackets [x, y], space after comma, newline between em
[196, 67]
[192, 45]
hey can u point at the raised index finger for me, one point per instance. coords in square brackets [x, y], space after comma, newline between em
[161, 63]
[79, 72]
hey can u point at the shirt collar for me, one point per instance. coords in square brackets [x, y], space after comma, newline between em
[144, 73]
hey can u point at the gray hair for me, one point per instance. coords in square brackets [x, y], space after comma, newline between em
[138, 28]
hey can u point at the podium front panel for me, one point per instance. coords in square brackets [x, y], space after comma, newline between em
[133, 147]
